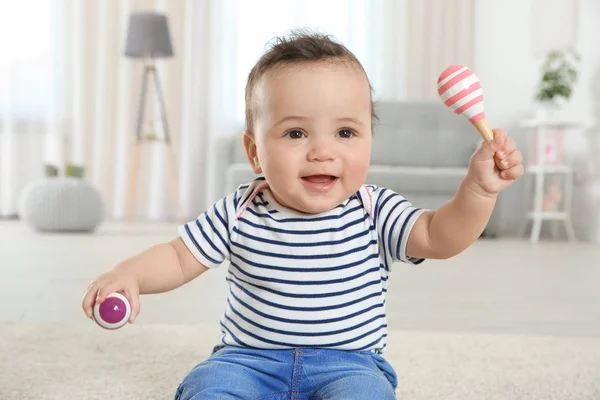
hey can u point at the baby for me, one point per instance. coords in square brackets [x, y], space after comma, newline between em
[310, 245]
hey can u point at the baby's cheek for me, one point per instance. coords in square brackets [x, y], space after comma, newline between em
[359, 161]
[280, 166]
[359, 169]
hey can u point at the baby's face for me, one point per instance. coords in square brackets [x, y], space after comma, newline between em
[313, 134]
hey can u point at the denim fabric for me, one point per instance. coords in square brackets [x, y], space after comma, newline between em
[295, 374]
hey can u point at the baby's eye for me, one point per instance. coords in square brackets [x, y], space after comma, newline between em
[295, 134]
[346, 133]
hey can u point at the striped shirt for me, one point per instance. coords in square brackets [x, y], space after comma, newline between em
[298, 280]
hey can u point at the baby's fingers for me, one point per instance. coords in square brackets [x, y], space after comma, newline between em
[514, 158]
[500, 137]
[133, 296]
[512, 172]
[89, 298]
[106, 289]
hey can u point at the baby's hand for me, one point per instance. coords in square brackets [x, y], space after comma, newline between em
[492, 175]
[108, 283]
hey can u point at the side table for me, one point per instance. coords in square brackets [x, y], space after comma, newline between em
[549, 161]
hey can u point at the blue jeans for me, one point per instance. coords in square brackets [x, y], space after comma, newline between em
[295, 374]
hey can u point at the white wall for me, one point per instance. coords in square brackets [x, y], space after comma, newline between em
[507, 67]
[502, 59]
[509, 72]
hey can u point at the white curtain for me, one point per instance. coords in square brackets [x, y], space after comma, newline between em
[84, 111]
[439, 34]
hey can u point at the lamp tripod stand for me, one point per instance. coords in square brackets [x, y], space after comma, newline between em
[150, 71]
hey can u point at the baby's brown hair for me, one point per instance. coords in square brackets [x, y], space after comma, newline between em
[301, 46]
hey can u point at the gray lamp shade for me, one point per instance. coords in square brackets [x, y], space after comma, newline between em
[148, 36]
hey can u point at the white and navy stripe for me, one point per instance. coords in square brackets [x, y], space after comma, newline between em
[298, 280]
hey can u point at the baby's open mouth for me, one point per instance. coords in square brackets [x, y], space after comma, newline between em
[320, 179]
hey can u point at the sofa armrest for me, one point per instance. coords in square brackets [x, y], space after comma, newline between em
[220, 159]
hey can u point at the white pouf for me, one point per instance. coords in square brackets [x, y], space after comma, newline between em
[61, 204]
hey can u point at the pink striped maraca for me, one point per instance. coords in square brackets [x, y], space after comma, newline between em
[460, 90]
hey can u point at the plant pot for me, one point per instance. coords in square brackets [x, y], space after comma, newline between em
[548, 111]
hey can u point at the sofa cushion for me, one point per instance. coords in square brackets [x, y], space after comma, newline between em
[425, 187]
[423, 134]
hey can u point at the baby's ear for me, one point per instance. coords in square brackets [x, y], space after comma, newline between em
[250, 146]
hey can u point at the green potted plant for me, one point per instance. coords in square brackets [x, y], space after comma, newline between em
[70, 170]
[559, 76]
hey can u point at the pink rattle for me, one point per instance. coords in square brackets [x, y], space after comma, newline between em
[113, 312]
[460, 90]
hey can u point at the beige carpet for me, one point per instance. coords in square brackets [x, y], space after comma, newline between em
[82, 361]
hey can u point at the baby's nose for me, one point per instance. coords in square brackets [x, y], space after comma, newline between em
[320, 151]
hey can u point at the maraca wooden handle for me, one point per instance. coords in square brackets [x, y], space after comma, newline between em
[484, 129]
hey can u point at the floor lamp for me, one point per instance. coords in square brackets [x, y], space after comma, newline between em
[148, 38]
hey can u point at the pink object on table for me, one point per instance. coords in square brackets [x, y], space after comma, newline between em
[113, 312]
[554, 148]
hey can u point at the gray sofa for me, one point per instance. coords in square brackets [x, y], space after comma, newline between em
[420, 150]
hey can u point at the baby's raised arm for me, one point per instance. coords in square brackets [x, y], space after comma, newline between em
[461, 220]
[159, 269]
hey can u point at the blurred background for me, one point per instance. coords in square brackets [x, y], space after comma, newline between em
[70, 95]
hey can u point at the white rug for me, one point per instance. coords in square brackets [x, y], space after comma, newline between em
[148, 362]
